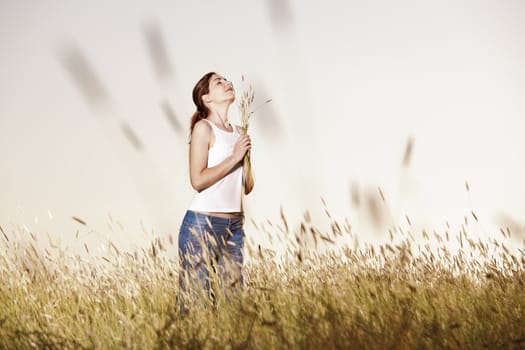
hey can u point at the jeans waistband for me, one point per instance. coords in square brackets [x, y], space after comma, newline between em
[217, 219]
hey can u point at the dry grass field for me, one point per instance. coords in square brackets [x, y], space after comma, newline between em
[398, 295]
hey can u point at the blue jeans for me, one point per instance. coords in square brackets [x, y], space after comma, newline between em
[209, 247]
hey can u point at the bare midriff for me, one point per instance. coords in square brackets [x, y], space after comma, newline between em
[222, 215]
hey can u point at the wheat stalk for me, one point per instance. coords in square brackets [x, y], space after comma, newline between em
[245, 104]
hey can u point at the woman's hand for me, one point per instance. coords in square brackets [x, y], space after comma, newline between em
[242, 145]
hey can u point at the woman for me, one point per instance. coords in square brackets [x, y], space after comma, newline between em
[211, 235]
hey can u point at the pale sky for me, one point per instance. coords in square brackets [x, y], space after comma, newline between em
[351, 82]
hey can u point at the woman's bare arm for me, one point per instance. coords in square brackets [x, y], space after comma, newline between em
[201, 176]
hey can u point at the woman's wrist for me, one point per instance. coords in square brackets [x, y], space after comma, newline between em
[235, 160]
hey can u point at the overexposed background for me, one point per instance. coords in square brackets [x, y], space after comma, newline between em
[413, 97]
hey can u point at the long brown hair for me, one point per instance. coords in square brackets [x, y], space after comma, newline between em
[201, 88]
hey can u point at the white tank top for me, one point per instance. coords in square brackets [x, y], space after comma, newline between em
[225, 195]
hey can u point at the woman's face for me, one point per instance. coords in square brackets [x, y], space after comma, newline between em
[221, 90]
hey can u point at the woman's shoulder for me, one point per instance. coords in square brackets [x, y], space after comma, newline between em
[201, 131]
[202, 126]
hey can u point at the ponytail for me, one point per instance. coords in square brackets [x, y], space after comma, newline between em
[194, 119]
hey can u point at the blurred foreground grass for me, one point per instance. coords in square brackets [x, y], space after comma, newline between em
[392, 296]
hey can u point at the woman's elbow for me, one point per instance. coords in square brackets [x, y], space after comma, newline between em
[197, 184]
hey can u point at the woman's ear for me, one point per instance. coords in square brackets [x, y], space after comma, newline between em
[206, 98]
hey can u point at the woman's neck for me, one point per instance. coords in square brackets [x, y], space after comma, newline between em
[219, 114]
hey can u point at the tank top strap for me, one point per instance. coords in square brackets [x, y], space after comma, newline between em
[215, 127]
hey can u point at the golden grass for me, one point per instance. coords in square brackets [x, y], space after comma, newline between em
[402, 294]
[245, 103]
